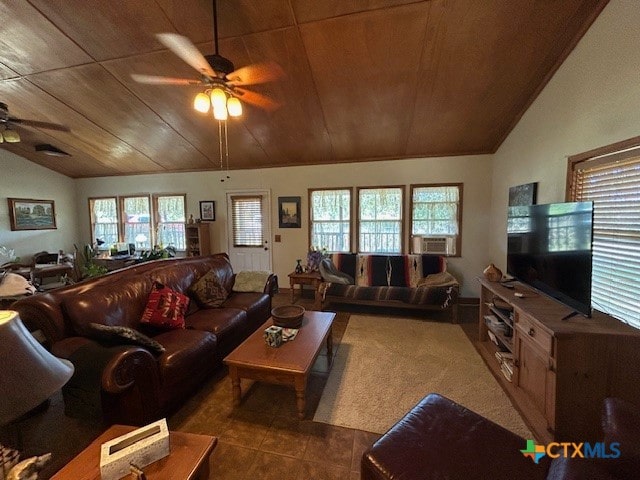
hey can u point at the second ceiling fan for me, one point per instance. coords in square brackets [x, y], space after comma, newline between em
[218, 75]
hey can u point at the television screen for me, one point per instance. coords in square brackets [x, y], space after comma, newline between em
[549, 248]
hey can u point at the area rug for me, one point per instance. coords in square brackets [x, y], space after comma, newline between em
[385, 365]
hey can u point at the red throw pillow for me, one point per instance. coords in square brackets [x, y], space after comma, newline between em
[165, 308]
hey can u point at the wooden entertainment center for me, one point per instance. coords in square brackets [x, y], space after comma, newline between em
[561, 369]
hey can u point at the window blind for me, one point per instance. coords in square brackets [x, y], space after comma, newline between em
[247, 221]
[614, 187]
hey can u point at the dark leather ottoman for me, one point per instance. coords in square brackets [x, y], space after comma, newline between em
[440, 439]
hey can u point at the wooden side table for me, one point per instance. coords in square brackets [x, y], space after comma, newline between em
[189, 458]
[305, 278]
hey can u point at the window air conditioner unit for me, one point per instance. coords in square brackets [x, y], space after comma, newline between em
[436, 245]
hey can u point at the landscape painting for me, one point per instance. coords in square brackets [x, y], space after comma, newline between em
[29, 214]
[289, 212]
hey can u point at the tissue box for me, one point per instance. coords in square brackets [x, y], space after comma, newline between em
[140, 447]
[273, 336]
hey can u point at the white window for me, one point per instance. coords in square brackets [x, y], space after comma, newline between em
[103, 213]
[330, 219]
[247, 221]
[380, 219]
[611, 179]
[436, 211]
[136, 220]
[170, 219]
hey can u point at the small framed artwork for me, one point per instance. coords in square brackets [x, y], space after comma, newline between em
[207, 210]
[29, 214]
[289, 212]
[523, 195]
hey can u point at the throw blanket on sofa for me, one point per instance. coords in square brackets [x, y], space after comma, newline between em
[436, 296]
[388, 270]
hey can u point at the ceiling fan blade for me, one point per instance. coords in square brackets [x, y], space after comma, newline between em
[256, 73]
[256, 99]
[157, 80]
[38, 124]
[187, 51]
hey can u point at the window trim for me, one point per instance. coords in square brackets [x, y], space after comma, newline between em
[403, 222]
[351, 212]
[460, 186]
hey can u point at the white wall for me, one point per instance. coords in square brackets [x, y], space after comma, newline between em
[20, 178]
[473, 171]
[593, 100]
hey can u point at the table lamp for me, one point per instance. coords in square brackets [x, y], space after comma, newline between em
[29, 374]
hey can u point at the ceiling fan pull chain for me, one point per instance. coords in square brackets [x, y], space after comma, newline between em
[220, 142]
[226, 147]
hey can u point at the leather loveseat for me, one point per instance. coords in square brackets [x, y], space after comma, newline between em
[440, 439]
[130, 383]
[418, 282]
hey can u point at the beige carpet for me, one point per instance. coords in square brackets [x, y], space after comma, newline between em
[384, 366]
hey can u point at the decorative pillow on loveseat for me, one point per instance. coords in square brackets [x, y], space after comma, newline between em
[165, 308]
[122, 335]
[208, 291]
[250, 281]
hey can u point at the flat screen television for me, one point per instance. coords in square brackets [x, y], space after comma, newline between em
[549, 247]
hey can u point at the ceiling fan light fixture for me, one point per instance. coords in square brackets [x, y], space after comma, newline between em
[234, 107]
[201, 103]
[218, 98]
[50, 150]
[11, 136]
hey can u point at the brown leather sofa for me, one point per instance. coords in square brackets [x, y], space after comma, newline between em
[132, 384]
[440, 439]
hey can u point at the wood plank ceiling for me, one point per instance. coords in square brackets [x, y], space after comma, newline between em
[365, 79]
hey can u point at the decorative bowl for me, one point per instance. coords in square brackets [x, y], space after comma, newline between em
[288, 316]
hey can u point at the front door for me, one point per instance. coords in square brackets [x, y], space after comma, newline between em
[248, 230]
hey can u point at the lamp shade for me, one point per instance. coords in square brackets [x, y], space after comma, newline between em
[11, 136]
[29, 373]
[202, 103]
[234, 106]
[218, 98]
[220, 113]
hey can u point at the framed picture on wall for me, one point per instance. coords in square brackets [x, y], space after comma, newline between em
[289, 212]
[29, 214]
[523, 195]
[207, 210]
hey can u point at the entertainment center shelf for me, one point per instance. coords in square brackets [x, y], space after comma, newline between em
[560, 370]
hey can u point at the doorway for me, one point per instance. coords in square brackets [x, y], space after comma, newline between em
[248, 230]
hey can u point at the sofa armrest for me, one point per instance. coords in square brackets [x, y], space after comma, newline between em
[131, 391]
[271, 287]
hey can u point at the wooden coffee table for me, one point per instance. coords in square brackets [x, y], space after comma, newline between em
[189, 457]
[288, 364]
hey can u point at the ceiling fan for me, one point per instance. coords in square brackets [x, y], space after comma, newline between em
[217, 73]
[7, 122]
